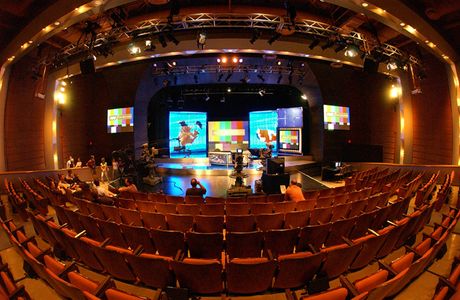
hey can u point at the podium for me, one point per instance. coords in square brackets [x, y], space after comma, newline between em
[271, 183]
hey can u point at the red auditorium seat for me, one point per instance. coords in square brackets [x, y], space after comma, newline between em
[213, 209]
[166, 208]
[126, 195]
[339, 229]
[91, 228]
[60, 214]
[168, 242]
[202, 276]
[188, 209]
[284, 207]
[112, 231]
[244, 223]
[244, 244]
[179, 222]
[215, 200]
[315, 235]
[295, 270]
[96, 210]
[310, 195]
[8, 287]
[139, 196]
[273, 198]
[114, 262]
[235, 200]
[111, 213]
[280, 241]
[363, 223]
[325, 201]
[145, 206]
[371, 244]
[153, 220]
[296, 219]
[340, 211]
[257, 198]
[82, 205]
[114, 294]
[258, 208]
[205, 245]
[320, 215]
[361, 287]
[305, 205]
[74, 220]
[194, 200]
[236, 209]
[390, 242]
[208, 224]
[269, 221]
[130, 217]
[159, 198]
[340, 199]
[136, 236]
[339, 259]
[357, 207]
[126, 203]
[152, 270]
[339, 293]
[249, 275]
[85, 252]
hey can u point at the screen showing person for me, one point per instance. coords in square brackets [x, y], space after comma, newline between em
[120, 120]
[262, 128]
[336, 117]
[290, 117]
[187, 134]
[290, 139]
[228, 135]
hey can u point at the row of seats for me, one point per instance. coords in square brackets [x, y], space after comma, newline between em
[242, 275]
[444, 191]
[66, 280]
[9, 289]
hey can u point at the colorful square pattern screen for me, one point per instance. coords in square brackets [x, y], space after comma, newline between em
[289, 139]
[120, 120]
[262, 127]
[187, 134]
[336, 117]
[228, 135]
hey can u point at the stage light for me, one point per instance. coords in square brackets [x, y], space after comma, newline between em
[62, 89]
[304, 97]
[351, 51]
[162, 41]
[57, 23]
[63, 83]
[218, 60]
[256, 34]
[392, 65]
[314, 43]
[228, 76]
[278, 63]
[235, 60]
[224, 60]
[274, 37]
[133, 49]
[395, 91]
[229, 90]
[201, 40]
[240, 60]
[174, 63]
[262, 92]
[261, 77]
[364, 4]
[149, 46]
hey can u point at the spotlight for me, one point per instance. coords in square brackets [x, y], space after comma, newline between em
[278, 63]
[149, 46]
[262, 92]
[261, 77]
[280, 77]
[218, 60]
[240, 60]
[256, 34]
[201, 40]
[235, 60]
[229, 90]
[351, 51]
[304, 97]
[314, 43]
[274, 37]
[224, 60]
[172, 38]
[162, 40]
[391, 66]
[133, 49]
[220, 77]
[228, 76]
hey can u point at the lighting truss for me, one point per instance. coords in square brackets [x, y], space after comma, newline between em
[229, 20]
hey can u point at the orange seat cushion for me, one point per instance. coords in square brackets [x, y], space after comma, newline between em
[82, 283]
[52, 264]
[335, 294]
[113, 294]
[370, 282]
[403, 262]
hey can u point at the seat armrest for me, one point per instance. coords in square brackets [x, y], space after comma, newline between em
[384, 265]
[103, 286]
[348, 285]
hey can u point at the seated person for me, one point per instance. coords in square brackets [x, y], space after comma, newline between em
[71, 178]
[196, 190]
[129, 187]
[100, 191]
[62, 184]
[294, 192]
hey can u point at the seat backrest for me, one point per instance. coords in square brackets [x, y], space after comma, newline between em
[313, 234]
[340, 229]
[340, 211]
[280, 241]
[126, 203]
[325, 201]
[205, 245]
[305, 205]
[174, 199]
[339, 293]
[320, 215]
[168, 242]
[256, 198]
[153, 220]
[155, 197]
[194, 199]
[284, 207]
[112, 230]
[250, 275]
[213, 209]
[273, 198]
[215, 200]
[244, 244]
[296, 269]
[269, 221]
[339, 259]
[201, 276]
[261, 208]
[179, 222]
[147, 206]
[208, 224]
[111, 213]
[188, 209]
[152, 270]
[243, 223]
[296, 219]
[166, 208]
[237, 209]
[130, 217]
[138, 236]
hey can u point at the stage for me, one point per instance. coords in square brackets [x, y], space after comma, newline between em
[201, 166]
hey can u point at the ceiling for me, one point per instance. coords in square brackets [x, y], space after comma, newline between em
[443, 15]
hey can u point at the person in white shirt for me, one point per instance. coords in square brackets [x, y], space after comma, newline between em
[70, 162]
[79, 163]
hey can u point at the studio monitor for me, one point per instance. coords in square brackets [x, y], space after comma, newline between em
[87, 66]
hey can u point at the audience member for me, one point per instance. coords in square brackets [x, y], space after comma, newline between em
[100, 190]
[196, 190]
[293, 192]
[92, 165]
[62, 184]
[129, 186]
[104, 170]
[71, 178]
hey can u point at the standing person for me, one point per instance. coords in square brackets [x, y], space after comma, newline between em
[70, 162]
[92, 165]
[104, 169]
[294, 192]
[196, 190]
[79, 163]
[114, 168]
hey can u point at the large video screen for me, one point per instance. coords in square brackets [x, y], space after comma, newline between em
[336, 117]
[290, 117]
[262, 128]
[228, 135]
[290, 140]
[187, 134]
[120, 120]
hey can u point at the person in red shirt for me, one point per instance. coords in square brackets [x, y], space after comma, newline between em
[294, 192]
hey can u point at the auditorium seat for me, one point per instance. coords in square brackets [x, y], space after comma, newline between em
[315, 235]
[361, 287]
[8, 287]
[151, 269]
[213, 209]
[372, 202]
[112, 231]
[96, 210]
[158, 198]
[126, 203]
[296, 219]
[256, 198]
[363, 223]
[140, 196]
[153, 220]
[208, 224]
[73, 217]
[166, 208]
[390, 242]
[249, 275]
[244, 244]
[243, 223]
[82, 205]
[174, 199]
[193, 200]
[340, 211]
[126, 195]
[320, 215]
[60, 214]
[326, 192]
[168, 242]
[269, 221]
[325, 201]
[284, 207]
[215, 200]
[340, 199]
[90, 288]
[179, 222]
[305, 205]
[280, 241]
[339, 259]
[297, 269]
[273, 198]
[91, 228]
[235, 200]
[111, 213]
[130, 217]
[357, 207]
[261, 208]
[114, 262]
[381, 217]
[310, 195]
[85, 252]
[205, 245]
[188, 209]
[339, 229]
[235, 209]
[339, 293]
[371, 244]
[136, 236]
[114, 294]
[201, 276]
[146, 206]
[354, 196]
[64, 288]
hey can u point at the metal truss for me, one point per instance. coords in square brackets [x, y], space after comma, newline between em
[203, 21]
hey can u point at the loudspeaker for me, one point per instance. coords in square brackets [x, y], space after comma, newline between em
[370, 66]
[87, 66]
